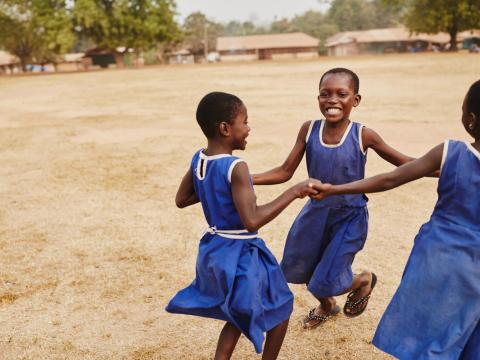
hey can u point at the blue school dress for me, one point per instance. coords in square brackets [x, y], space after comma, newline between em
[326, 235]
[237, 278]
[435, 312]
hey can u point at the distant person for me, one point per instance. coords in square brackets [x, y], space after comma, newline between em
[435, 313]
[325, 237]
[237, 278]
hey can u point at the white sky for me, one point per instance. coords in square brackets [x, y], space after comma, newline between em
[258, 11]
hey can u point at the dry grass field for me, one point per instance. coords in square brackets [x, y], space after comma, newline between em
[92, 246]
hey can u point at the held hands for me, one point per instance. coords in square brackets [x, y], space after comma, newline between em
[313, 188]
[322, 190]
[305, 188]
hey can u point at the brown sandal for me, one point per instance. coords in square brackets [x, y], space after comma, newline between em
[318, 319]
[351, 307]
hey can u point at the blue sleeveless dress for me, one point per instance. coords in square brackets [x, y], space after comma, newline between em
[435, 312]
[237, 278]
[326, 235]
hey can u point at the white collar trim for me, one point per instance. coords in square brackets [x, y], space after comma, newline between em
[473, 150]
[341, 141]
[213, 157]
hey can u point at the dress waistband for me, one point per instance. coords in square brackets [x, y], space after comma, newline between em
[231, 234]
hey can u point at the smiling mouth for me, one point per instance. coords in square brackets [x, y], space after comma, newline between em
[333, 111]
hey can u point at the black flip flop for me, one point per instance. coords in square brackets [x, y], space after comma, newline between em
[319, 318]
[363, 301]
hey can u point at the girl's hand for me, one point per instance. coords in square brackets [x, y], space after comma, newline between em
[323, 190]
[306, 188]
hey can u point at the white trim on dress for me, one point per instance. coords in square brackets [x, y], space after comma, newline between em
[341, 141]
[230, 234]
[230, 169]
[444, 154]
[203, 159]
[473, 150]
[309, 130]
[213, 157]
[360, 139]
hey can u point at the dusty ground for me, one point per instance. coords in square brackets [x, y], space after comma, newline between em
[91, 244]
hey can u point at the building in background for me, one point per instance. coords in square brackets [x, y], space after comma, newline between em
[73, 62]
[470, 40]
[9, 64]
[271, 46]
[182, 56]
[381, 41]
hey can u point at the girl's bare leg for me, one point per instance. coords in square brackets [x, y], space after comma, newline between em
[274, 341]
[226, 342]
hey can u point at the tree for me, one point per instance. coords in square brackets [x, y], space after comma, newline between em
[35, 30]
[315, 24]
[201, 34]
[138, 25]
[433, 16]
[281, 26]
[350, 15]
[235, 28]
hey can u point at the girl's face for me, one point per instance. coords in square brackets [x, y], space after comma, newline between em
[337, 97]
[240, 129]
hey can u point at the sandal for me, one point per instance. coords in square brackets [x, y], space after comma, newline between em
[318, 319]
[351, 306]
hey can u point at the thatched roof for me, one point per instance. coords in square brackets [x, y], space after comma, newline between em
[269, 41]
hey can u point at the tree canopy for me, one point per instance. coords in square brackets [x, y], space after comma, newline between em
[131, 24]
[35, 30]
[200, 33]
[433, 16]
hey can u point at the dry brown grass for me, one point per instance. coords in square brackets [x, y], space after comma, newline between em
[91, 244]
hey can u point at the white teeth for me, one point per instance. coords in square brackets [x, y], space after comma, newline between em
[333, 111]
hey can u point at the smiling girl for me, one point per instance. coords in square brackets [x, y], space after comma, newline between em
[325, 237]
[237, 278]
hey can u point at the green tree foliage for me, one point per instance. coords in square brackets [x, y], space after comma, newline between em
[131, 24]
[280, 26]
[35, 30]
[343, 15]
[433, 16]
[315, 24]
[351, 14]
[200, 31]
[235, 28]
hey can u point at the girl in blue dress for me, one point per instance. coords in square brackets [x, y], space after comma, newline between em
[325, 237]
[435, 312]
[237, 278]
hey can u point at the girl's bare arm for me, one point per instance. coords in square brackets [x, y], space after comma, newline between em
[254, 216]
[186, 195]
[372, 140]
[284, 172]
[408, 172]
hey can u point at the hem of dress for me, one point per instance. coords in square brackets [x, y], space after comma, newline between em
[285, 309]
[386, 350]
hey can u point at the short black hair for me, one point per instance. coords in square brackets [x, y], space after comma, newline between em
[214, 108]
[473, 99]
[353, 76]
